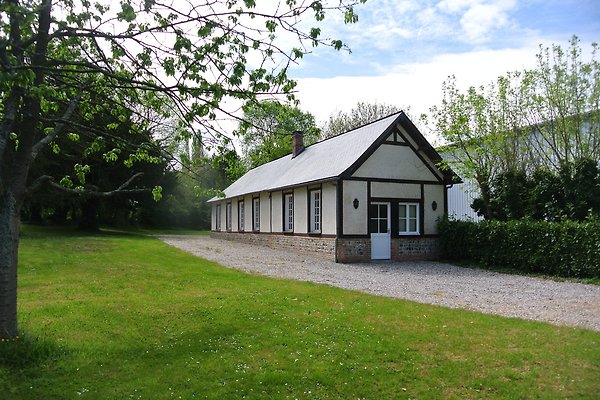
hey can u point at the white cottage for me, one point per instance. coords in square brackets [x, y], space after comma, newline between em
[373, 193]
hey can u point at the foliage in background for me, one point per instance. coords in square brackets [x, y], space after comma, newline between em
[540, 118]
[568, 248]
[363, 113]
[65, 64]
[563, 106]
[267, 128]
[90, 160]
[572, 192]
[186, 192]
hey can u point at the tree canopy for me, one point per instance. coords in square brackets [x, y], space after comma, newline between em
[546, 117]
[266, 132]
[361, 114]
[66, 63]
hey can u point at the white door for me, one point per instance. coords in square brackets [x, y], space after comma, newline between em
[379, 226]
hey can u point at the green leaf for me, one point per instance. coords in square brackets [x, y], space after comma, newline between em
[127, 12]
[157, 193]
[73, 137]
[66, 182]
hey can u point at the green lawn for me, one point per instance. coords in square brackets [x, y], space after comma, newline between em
[120, 316]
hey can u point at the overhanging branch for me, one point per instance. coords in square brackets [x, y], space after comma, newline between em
[58, 128]
[122, 189]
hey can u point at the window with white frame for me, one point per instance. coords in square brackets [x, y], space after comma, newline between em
[228, 216]
[288, 212]
[256, 216]
[218, 217]
[408, 218]
[241, 216]
[315, 211]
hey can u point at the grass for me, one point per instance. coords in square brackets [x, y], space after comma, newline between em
[120, 316]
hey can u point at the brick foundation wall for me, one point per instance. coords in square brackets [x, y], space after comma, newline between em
[403, 249]
[320, 246]
[415, 248]
[353, 250]
[347, 250]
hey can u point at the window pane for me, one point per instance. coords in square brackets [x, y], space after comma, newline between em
[412, 210]
[382, 211]
[373, 210]
[315, 211]
[402, 226]
[413, 225]
[402, 211]
[383, 226]
[372, 226]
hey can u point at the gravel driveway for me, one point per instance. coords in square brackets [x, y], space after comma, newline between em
[561, 303]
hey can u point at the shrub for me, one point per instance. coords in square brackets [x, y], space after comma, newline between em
[569, 249]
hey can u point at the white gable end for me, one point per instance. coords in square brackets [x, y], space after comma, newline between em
[395, 162]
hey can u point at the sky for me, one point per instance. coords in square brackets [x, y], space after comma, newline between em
[402, 50]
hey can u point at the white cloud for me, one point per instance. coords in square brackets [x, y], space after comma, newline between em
[417, 85]
[433, 24]
[454, 6]
[480, 19]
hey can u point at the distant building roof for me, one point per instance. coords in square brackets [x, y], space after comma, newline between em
[326, 160]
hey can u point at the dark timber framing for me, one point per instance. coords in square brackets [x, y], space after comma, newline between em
[254, 198]
[397, 131]
[340, 208]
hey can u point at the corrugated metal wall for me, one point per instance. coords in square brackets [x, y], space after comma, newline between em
[460, 198]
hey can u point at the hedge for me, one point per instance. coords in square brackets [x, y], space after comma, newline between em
[568, 249]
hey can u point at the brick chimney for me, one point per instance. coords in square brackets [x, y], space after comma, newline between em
[297, 143]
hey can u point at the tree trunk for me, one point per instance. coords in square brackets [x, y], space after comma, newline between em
[484, 188]
[9, 237]
[89, 214]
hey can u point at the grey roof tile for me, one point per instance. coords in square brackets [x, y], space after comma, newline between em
[321, 161]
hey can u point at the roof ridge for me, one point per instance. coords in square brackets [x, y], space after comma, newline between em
[359, 127]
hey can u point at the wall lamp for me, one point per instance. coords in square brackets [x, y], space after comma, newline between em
[355, 203]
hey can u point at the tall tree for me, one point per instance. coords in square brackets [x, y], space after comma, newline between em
[481, 126]
[61, 58]
[547, 116]
[266, 132]
[563, 111]
[362, 114]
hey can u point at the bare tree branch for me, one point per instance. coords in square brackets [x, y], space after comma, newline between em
[122, 189]
[58, 128]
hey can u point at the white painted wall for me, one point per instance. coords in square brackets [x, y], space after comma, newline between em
[301, 210]
[432, 193]
[396, 190]
[265, 212]
[355, 220]
[223, 211]
[213, 220]
[276, 211]
[394, 162]
[234, 215]
[248, 213]
[329, 204]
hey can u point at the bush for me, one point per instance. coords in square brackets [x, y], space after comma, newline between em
[568, 249]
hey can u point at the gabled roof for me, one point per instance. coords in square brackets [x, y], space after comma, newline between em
[325, 160]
